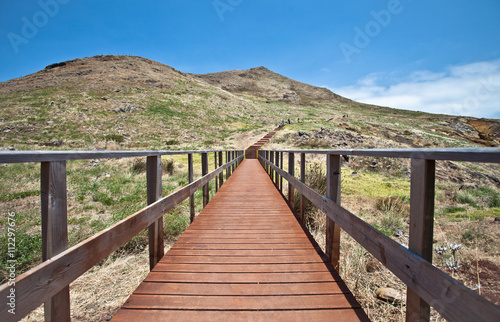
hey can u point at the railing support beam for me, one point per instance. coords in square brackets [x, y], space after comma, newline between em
[332, 246]
[215, 168]
[155, 230]
[282, 167]
[303, 180]
[55, 230]
[191, 178]
[221, 175]
[204, 171]
[271, 171]
[291, 171]
[422, 189]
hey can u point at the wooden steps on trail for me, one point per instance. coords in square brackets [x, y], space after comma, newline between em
[251, 151]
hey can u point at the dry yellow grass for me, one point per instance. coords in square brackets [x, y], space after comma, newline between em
[101, 291]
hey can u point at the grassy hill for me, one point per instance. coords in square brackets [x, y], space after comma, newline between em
[134, 103]
[122, 102]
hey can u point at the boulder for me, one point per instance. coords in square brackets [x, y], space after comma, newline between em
[389, 294]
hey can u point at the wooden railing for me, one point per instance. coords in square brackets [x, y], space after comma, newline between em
[49, 282]
[427, 285]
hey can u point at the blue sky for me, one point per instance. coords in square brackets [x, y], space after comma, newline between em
[434, 56]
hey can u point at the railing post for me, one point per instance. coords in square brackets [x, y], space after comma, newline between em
[215, 168]
[282, 167]
[271, 171]
[228, 169]
[55, 230]
[204, 171]
[221, 175]
[333, 171]
[303, 180]
[268, 158]
[276, 174]
[191, 197]
[291, 171]
[155, 230]
[421, 227]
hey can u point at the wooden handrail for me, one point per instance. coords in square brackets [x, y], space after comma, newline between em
[44, 281]
[487, 155]
[48, 156]
[449, 297]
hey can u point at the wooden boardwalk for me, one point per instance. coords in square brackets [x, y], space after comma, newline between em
[245, 257]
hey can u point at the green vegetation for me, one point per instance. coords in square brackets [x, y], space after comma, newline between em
[27, 252]
[375, 185]
[18, 195]
[100, 193]
[115, 137]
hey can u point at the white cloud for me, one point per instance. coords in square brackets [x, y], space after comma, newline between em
[472, 90]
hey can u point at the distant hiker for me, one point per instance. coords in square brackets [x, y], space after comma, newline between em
[289, 121]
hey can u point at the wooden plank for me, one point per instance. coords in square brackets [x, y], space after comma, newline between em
[421, 228]
[282, 167]
[190, 178]
[225, 235]
[238, 268]
[242, 316]
[221, 175]
[239, 278]
[240, 253]
[310, 258]
[303, 180]
[154, 190]
[204, 171]
[333, 175]
[248, 303]
[232, 158]
[47, 279]
[271, 171]
[487, 155]
[291, 171]
[210, 228]
[215, 168]
[233, 246]
[448, 296]
[239, 289]
[288, 240]
[49, 156]
[54, 230]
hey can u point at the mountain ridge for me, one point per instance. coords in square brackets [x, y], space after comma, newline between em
[135, 102]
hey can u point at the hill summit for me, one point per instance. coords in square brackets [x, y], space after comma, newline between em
[264, 84]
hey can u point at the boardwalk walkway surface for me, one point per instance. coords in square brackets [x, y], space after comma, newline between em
[245, 257]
